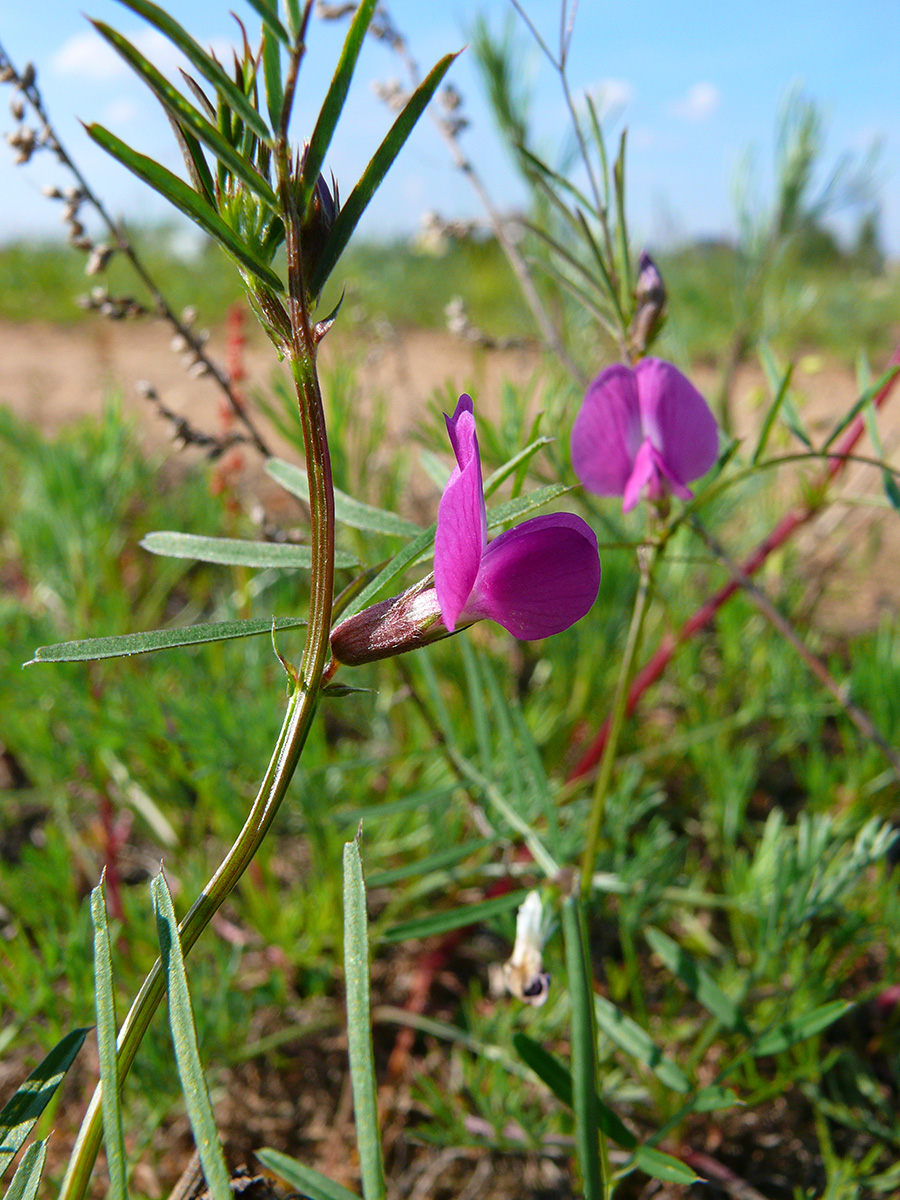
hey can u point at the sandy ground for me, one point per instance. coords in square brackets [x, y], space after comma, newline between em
[52, 376]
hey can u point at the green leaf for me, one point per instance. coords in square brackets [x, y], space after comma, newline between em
[203, 62]
[105, 1006]
[27, 1179]
[236, 552]
[867, 398]
[630, 1037]
[358, 200]
[711, 1099]
[307, 1181]
[184, 1039]
[662, 1166]
[438, 861]
[797, 1029]
[791, 417]
[584, 1052]
[359, 1027]
[273, 79]
[502, 514]
[19, 1115]
[454, 918]
[195, 161]
[401, 560]
[333, 104]
[699, 982]
[346, 510]
[185, 199]
[269, 16]
[186, 114]
[774, 409]
[494, 480]
[159, 639]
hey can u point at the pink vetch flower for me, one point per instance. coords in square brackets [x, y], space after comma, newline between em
[536, 579]
[645, 426]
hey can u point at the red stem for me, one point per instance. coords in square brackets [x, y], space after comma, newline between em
[665, 651]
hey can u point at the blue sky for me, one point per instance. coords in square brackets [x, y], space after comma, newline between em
[697, 83]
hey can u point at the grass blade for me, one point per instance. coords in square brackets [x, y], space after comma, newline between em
[584, 1053]
[236, 552]
[185, 199]
[184, 1039]
[333, 103]
[185, 113]
[31, 1098]
[25, 1182]
[268, 14]
[630, 1037]
[798, 1029]
[203, 62]
[384, 156]
[454, 918]
[105, 1004]
[775, 379]
[90, 649]
[699, 982]
[307, 1181]
[359, 1027]
[864, 400]
[774, 409]
[439, 861]
[347, 510]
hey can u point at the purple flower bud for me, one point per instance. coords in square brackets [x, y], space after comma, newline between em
[646, 426]
[650, 304]
[536, 579]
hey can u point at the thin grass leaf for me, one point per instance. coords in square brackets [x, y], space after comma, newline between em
[866, 398]
[333, 105]
[574, 289]
[888, 478]
[454, 918]
[774, 409]
[407, 804]
[31, 1098]
[711, 1099]
[600, 141]
[601, 263]
[120, 645]
[401, 560]
[630, 1037]
[27, 1179]
[798, 1029]
[584, 1053]
[185, 199]
[501, 514]
[622, 225]
[477, 709]
[268, 14]
[358, 200]
[514, 464]
[661, 1166]
[547, 173]
[195, 161]
[307, 1181]
[184, 1039]
[203, 62]
[359, 1027]
[522, 468]
[790, 416]
[438, 861]
[183, 112]
[698, 981]
[346, 510]
[107, 1026]
[237, 552]
[273, 79]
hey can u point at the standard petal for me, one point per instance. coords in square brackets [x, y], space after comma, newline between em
[677, 420]
[538, 578]
[607, 434]
[461, 525]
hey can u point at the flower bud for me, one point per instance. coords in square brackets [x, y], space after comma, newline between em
[650, 303]
[392, 627]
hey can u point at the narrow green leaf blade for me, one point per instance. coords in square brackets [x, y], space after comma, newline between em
[120, 645]
[698, 981]
[584, 1052]
[27, 1179]
[865, 399]
[359, 1027]
[358, 200]
[630, 1037]
[273, 78]
[401, 560]
[20, 1113]
[269, 17]
[184, 1039]
[333, 105]
[663, 1166]
[774, 376]
[454, 918]
[185, 199]
[203, 62]
[798, 1029]
[439, 861]
[502, 514]
[503, 473]
[237, 552]
[105, 1006]
[774, 409]
[711, 1099]
[347, 510]
[306, 1180]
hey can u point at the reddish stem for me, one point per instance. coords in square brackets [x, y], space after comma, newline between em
[789, 523]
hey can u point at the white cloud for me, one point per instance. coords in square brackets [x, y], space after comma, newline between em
[699, 102]
[611, 96]
[87, 56]
[121, 111]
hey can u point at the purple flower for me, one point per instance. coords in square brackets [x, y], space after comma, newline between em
[535, 579]
[646, 426]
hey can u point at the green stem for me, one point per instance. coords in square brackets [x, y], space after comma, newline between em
[647, 563]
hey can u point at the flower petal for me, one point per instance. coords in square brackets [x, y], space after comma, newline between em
[644, 471]
[538, 578]
[607, 433]
[462, 523]
[677, 420]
